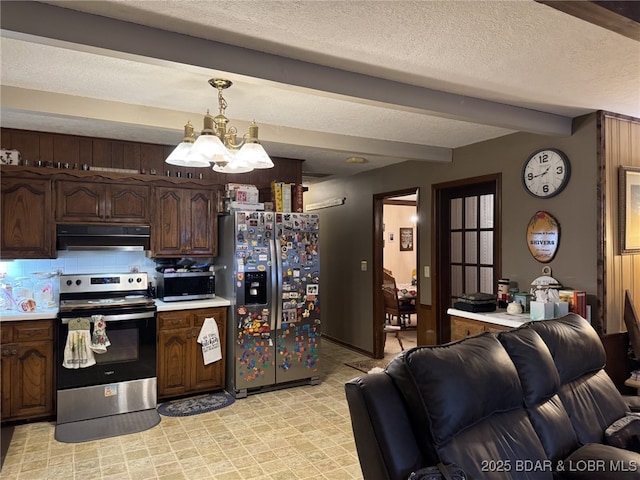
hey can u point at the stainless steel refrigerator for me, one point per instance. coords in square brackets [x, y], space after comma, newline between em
[269, 267]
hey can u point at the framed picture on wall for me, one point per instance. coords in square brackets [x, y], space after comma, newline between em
[629, 207]
[406, 239]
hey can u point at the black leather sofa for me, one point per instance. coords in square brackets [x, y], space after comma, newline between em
[528, 403]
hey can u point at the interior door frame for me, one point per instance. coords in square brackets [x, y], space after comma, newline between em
[440, 295]
[377, 320]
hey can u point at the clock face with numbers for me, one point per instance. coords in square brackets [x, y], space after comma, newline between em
[546, 173]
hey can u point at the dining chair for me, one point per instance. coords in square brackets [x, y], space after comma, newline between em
[396, 331]
[393, 308]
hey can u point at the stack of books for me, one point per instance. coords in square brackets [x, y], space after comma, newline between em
[577, 300]
[287, 197]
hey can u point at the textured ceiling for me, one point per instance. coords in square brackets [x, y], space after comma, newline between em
[384, 80]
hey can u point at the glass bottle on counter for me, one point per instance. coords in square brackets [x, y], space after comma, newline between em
[44, 290]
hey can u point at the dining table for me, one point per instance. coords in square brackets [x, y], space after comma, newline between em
[407, 292]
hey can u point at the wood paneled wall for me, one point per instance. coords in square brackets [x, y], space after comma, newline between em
[618, 145]
[101, 152]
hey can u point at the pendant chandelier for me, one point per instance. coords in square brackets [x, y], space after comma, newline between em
[219, 146]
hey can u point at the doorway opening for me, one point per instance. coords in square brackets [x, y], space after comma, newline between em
[395, 268]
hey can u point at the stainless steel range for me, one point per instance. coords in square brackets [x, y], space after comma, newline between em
[106, 356]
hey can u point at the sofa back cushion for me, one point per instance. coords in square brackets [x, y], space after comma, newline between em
[586, 391]
[540, 383]
[466, 403]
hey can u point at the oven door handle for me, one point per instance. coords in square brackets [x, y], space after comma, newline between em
[119, 318]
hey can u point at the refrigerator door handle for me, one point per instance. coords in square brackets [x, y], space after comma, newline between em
[276, 285]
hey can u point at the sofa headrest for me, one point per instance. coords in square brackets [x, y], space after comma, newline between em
[451, 387]
[533, 360]
[565, 337]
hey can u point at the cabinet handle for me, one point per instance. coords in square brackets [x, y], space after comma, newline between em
[6, 353]
[189, 334]
[468, 333]
[14, 352]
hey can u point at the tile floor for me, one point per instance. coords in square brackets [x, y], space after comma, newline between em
[296, 433]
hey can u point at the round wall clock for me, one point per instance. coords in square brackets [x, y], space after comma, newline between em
[546, 173]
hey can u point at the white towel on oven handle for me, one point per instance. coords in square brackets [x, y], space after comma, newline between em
[209, 338]
[77, 351]
[99, 339]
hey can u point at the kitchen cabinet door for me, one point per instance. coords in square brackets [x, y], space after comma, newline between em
[27, 219]
[186, 223]
[202, 234]
[27, 370]
[127, 204]
[169, 223]
[95, 202]
[211, 376]
[173, 353]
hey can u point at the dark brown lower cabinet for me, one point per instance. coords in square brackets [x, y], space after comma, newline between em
[181, 368]
[26, 365]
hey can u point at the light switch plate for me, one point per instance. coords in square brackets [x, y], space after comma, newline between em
[363, 265]
[427, 271]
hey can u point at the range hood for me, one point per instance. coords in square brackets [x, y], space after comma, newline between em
[103, 237]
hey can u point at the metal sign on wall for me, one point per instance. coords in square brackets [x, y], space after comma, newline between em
[543, 236]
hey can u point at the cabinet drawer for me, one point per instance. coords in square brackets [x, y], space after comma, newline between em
[200, 315]
[171, 320]
[465, 328]
[29, 330]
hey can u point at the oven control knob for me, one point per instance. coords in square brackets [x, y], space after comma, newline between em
[78, 282]
[69, 282]
[130, 280]
[139, 280]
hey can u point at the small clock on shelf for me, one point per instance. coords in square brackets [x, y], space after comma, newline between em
[546, 172]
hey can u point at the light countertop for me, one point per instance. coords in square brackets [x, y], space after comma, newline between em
[499, 317]
[45, 314]
[191, 304]
[14, 315]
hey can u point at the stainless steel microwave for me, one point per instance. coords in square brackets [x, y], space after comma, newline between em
[177, 286]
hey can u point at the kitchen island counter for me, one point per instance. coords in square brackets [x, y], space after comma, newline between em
[499, 317]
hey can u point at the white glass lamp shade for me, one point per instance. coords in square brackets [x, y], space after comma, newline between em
[207, 147]
[233, 166]
[182, 158]
[254, 155]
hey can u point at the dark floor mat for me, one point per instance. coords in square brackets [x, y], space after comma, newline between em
[105, 427]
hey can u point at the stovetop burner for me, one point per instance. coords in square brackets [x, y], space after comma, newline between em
[98, 303]
[101, 291]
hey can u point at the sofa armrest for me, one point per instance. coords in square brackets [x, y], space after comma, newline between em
[385, 442]
[595, 461]
[618, 366]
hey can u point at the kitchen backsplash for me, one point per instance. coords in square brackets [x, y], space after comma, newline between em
[82, 262]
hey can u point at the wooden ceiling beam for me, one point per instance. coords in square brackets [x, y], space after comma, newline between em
[619, 17]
